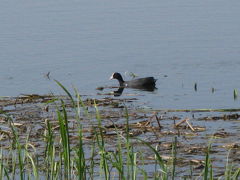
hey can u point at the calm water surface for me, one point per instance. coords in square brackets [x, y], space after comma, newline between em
[82, 43]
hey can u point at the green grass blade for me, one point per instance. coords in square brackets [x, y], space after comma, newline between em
[66, 91]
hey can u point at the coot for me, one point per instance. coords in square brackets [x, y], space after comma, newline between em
[147, 83]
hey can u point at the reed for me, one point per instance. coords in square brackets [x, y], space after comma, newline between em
[63, 160]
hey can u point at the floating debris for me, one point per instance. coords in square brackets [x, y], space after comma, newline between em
[235, 94]
[213, 90]
[100, 88]
[156, 127]
[47, 75]
[195, 86]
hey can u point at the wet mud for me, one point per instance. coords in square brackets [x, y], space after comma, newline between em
[194, 130]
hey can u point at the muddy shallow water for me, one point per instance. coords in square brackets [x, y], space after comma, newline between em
[194, 129]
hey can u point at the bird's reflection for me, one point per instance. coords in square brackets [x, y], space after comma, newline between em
[120, 90]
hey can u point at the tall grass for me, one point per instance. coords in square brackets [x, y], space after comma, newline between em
[208, 170]
[64, 160]
[64, 132]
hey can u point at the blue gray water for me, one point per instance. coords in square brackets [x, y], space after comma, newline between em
[82, 42]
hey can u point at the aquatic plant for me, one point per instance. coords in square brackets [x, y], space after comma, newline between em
[93, 157]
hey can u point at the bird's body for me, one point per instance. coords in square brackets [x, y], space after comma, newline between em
[147, 83]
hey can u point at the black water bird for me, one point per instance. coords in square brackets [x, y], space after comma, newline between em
[147, 83]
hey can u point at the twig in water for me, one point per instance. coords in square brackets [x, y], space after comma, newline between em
[159, 125]
[178, 124]
[185, 120]
[193, 130]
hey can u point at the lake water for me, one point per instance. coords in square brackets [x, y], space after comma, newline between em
[83, 42]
